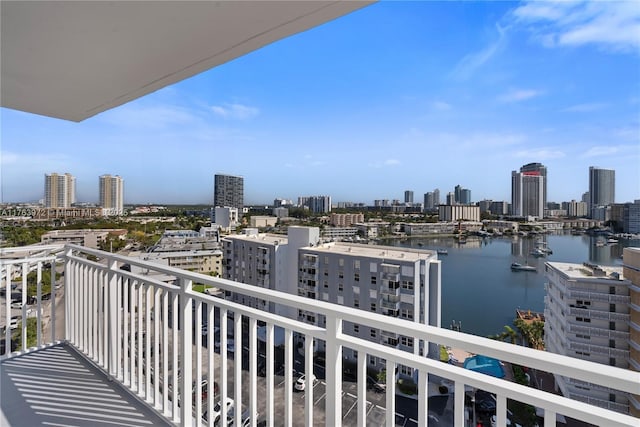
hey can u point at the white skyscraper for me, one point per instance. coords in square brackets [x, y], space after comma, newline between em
[59, 190]
[527, 194]
[112, 194]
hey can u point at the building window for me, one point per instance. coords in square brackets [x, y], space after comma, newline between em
[612, 326]
[373, 306]
[340, 287]
[356, 303]
[406, 314]
[612, 361]
[374, 333]
[407, 284]
[373, 280]
[311, 318]
[612, 343]
[356, 277]
[406, 341]
[612, 308]
[326, 260]
[612, 290]
[356, 264]
[341, 262]
[372, 360]
[356, 329]
[406, 370]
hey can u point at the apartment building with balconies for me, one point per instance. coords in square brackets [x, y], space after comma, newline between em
[587, 317]
[395, 282]
[631, 270]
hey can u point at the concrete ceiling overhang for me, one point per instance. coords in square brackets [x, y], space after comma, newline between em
[72, 60]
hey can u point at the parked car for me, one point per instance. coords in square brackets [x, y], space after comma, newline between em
[217, 410]
[16, 305]
[300, 383]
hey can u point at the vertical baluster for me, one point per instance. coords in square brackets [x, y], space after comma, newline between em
[148, 354]
[126, 314]
[165, 352]
[270, 356]
[423, 401]
[224, 381]
[197, 333]
[459, 403]
[237, 357]
[54, 283]
[211, 395]
[23, 332]
[501, 410]
[334, 371]
[174, 352]
[157, 349]
[186, 353]
[362, 389]
[391, 392]
[39, 309]
[253, 369]
[288, 378]
[133, 333]
[308, 370]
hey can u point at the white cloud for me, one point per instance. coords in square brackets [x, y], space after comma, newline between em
[517, 95]
[387, 162]
[471, 62]
[611, 25]
[585, 108]
[157, 116]
[603, 150]
[441, 106]
[235, 111]
[540, 154]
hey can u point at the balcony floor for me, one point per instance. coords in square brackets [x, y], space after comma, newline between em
[58, 387]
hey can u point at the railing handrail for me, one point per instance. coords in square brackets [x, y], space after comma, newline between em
[596, 373]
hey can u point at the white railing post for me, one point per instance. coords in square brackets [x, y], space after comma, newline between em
[67, 296]
[334, 372]
[288, 377]
[112, 317]
[423, 398]
[25, 272]
[308, 371]
[362, 389]
[39, 308]
[7, 329]
[237, 366]
[269, 359]
[253, 369]
[391, 392]
[54, 283]
[186, 358]
[459, 414]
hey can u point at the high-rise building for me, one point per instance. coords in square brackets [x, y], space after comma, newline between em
[465, 196]
[542, 169]
[316, 204]
[602, 187]
[408, 196]
[436, 197]
[59, 190]
[112, 193]
[451, 198]
[587, 316]
[228, 191]
[527, 194]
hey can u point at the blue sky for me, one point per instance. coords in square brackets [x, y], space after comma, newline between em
[396, 96]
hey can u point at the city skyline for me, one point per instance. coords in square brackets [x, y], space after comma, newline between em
[378, 102]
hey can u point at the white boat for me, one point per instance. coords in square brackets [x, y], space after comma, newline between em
[442, 252]
[537, 252]
[519, 267]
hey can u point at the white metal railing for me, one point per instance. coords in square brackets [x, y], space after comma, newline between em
[139, 330]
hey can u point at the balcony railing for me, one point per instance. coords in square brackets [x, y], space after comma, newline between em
[139, 330]
[598, 314]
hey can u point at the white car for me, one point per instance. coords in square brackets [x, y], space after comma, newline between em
[217, 409]
[16, 305]
[300, 383]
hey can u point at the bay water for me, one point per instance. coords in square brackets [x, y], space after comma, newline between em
[481, 293]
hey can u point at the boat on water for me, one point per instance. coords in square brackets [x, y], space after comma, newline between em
[442, 252]
[612, 241]
[537, 252]
[519, 267]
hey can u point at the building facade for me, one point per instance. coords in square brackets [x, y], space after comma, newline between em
[59, 190]
[587, 317]
[542, 170]
[346, 220]
[631, 271]
[395, 282]
[316, 204]
[527, 194]
[408, 196]
[111, 190]
[602, 187]
[228, 191]
[450, 213]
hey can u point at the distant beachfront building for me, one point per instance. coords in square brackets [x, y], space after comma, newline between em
[59, 190]
[111, 194]
[587, 316]
[228, 191]
[527, 194]
[450, 213]
[346, 220]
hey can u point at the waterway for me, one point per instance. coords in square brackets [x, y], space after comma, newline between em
[479, 290]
